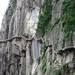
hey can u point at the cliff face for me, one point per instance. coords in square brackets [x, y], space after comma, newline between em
[33, 38]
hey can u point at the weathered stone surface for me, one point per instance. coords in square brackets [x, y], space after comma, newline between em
[21, 51]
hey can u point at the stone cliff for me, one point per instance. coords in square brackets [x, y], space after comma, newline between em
[37, 38]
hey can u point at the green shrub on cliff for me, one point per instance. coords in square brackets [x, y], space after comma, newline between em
[44, 17]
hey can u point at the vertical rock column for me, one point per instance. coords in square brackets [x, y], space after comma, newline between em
[28, 59]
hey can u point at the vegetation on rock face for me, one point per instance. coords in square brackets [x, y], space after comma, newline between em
[44, 17]
[69, 18]
[62, 70]
[42, 59]
[44, 24]
[42, 52]
[57, 1]
[14, 2]
[20, 8]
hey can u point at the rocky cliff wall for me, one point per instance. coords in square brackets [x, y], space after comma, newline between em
[33, 38]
